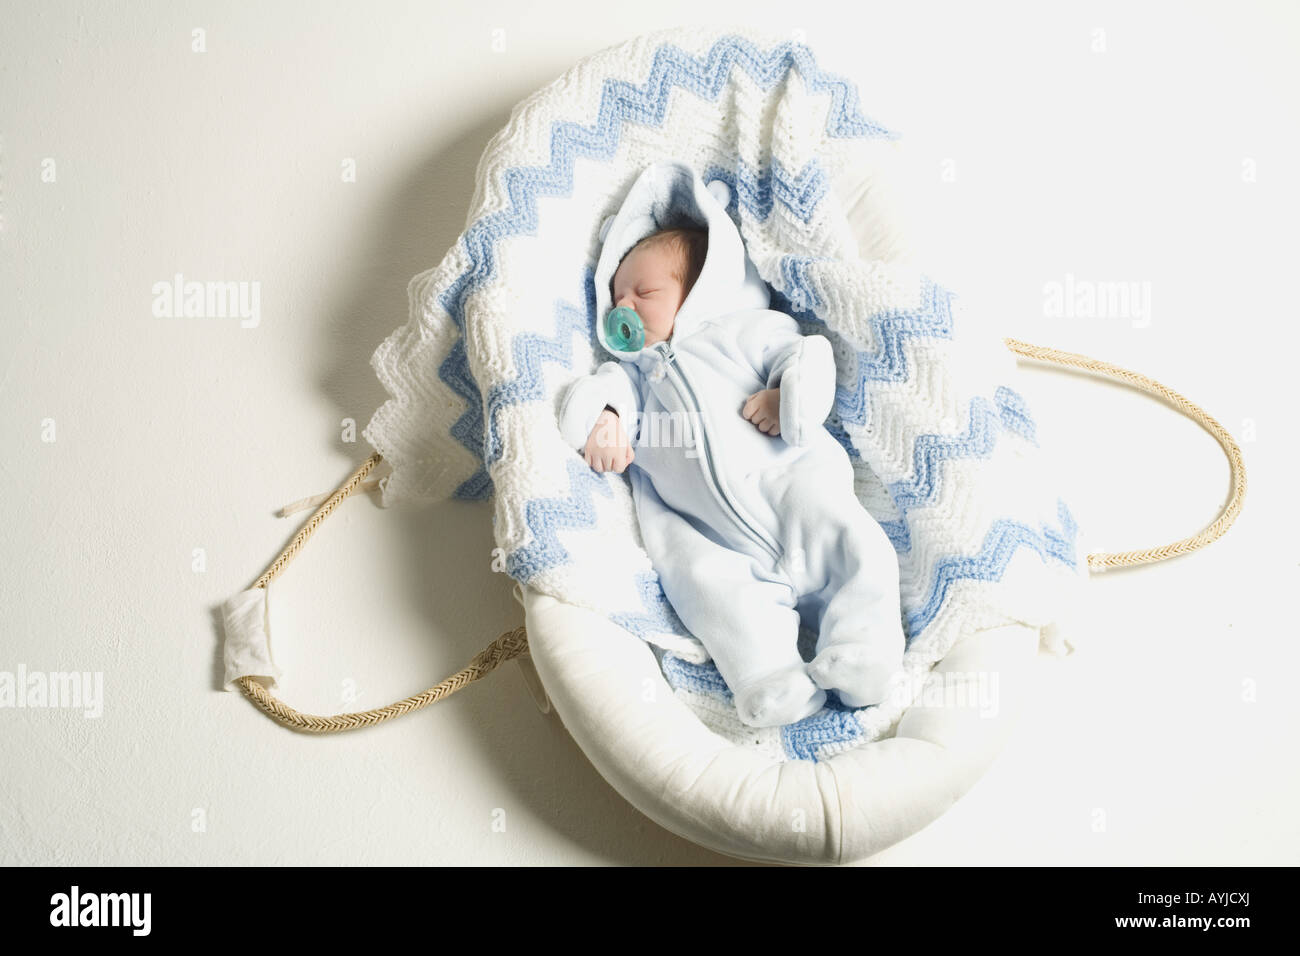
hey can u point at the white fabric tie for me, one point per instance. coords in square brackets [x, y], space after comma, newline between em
[248, 646]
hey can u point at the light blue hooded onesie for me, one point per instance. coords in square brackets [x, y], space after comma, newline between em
[749, 532]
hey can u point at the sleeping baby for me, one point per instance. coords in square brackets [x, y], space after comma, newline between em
[745, 500]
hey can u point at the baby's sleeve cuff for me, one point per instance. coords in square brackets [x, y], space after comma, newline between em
[588, 397]
[807, 390]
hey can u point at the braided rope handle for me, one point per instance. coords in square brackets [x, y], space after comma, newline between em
[507, 646]
[514, 643]
[1102, 560]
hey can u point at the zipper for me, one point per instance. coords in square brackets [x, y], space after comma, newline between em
[686, 391]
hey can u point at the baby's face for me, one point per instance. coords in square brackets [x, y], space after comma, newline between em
[644, 282]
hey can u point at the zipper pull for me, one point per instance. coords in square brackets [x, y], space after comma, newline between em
[661, 367]
[666, 359]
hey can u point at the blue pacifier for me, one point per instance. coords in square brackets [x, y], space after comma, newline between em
[624, 330]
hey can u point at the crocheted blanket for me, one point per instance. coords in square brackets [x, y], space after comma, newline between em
[944, 449]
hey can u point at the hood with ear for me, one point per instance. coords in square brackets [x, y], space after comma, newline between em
[666, 195]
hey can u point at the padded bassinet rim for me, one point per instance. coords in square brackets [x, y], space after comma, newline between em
[664, 761]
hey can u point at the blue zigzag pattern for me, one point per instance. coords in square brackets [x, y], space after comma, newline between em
[759, 190]
[833, 724]
[468, 428]
[1015, 413]
[1000, 545]
[623, 102]
[702, 678]
[801, 292]
[929, 451]
[545, 516]
[932, 318]
[1062, 545]
[659, 616]
[530, 350]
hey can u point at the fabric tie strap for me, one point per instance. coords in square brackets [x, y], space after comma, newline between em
[248, 647]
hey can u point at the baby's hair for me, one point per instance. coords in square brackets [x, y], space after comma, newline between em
[690, 243]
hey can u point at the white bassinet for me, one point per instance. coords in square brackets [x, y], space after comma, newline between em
[944, 450]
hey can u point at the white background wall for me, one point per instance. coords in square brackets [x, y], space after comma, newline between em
[1154, 143]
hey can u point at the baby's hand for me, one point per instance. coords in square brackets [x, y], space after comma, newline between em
[764, 410]
[607, 446]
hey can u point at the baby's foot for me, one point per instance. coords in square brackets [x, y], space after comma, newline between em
[859, 674]
[782, 698]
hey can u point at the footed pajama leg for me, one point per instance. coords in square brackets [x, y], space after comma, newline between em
[742, 611]
[860, 643]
